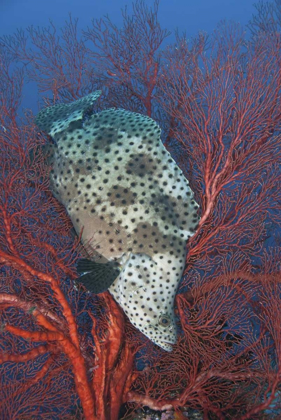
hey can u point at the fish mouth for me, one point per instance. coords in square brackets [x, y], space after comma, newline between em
[166, 346]
[168, 343]
[171, 341]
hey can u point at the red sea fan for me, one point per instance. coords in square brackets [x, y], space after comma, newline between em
[68, 354]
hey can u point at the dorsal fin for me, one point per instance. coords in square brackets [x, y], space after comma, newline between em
[57, 118]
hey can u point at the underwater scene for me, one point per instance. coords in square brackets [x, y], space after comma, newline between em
[140, 210]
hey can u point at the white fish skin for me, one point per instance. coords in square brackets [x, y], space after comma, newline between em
[118, 182]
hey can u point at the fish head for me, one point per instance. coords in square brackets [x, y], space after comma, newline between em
[163, 332]
[146, 294]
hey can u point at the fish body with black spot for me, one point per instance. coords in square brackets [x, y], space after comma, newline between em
[120, 185]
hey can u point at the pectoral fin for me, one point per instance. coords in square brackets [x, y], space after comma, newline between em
[98, 277]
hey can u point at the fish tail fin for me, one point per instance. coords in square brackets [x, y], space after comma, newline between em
[58, 117]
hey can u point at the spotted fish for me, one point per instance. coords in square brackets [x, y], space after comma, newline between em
[120, 185]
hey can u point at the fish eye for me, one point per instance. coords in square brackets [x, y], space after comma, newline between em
[164, 320]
